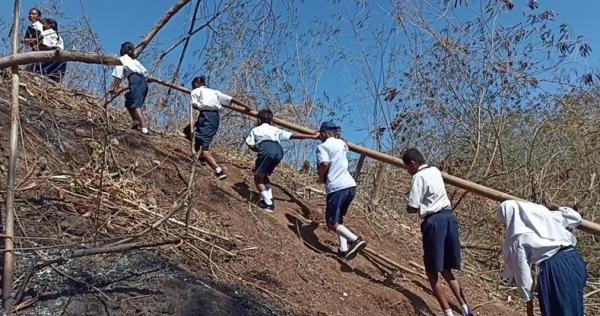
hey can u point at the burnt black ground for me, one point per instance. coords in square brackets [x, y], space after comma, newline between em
[136, 283]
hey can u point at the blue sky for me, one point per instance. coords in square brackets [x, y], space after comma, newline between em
[118, 20]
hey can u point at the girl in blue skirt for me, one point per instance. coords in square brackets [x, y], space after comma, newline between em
[136, 75]
[536, 235]
[265, 140]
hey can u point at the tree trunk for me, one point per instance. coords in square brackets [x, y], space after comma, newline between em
[7, 279]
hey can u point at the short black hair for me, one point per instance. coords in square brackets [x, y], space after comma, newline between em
[199, 80]
[413, 154]
[39, 12]
[265, 116]
[125, 47]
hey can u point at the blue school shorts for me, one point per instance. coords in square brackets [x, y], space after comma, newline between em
[338, 203]
[138, 91]
[441, 242]
[206, 127]
[269, 156]
[561, 282]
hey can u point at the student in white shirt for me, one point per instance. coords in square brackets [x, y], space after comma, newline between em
[51, 40]
[340, 187]
[439, 229]
[209, 102]
[265, 140]
[537, 235]
[136, 75]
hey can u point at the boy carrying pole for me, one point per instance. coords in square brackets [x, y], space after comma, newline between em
[265, 140]
[340, 187]
[441, 243]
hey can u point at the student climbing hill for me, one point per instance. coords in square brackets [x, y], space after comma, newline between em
[340, 187]
[136, 75]
[441, 242]
[209, 102]
[265, 140]
[536, 235]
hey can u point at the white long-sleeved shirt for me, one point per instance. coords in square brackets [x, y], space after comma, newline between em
[529, 249]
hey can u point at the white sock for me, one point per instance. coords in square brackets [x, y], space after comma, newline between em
[218, 169]
[270, 192]
[465, 309]
[144, 130]
[345, 232]
[265, 197]
[343, 243]
[448, 312]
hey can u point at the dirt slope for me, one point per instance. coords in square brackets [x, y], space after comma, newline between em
[246, 261]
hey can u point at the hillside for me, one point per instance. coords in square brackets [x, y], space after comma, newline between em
[233, 259]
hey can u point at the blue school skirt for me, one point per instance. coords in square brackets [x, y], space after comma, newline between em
[441, 242]
[270, 154]
[138, 90]
[206, 127]
[561, 282]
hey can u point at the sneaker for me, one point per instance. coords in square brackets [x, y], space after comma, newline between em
[342, 254]
[145, 130]
[221, 175]
[135, 125]
[356, 247]
[269, 208]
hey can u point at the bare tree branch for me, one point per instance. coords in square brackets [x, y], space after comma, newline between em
[159, 25]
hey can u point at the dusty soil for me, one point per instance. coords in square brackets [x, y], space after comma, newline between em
[245, 262]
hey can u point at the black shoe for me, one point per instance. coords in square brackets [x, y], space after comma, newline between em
[221, 175]
[356, 247]
[342, 254]
[135, 125]
[270, 208]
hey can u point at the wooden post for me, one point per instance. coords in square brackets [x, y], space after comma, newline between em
[7, 279]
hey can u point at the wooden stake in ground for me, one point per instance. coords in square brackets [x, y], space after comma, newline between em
[7, 279]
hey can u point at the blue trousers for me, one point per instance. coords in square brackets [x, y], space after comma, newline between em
[561, 282]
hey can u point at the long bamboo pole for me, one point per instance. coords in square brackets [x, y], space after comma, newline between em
[587, 226]
[7, 279]
[26, 58]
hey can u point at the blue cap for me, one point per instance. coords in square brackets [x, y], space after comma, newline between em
[328, 126]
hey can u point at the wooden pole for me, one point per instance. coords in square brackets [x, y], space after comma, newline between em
[26, 58]
[7, 279]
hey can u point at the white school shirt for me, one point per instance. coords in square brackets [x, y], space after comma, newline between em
[534, 235]
[129, 66]
[334, 151]
[51, 39]
[427, 191]
[266, 132]
[205, 98]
